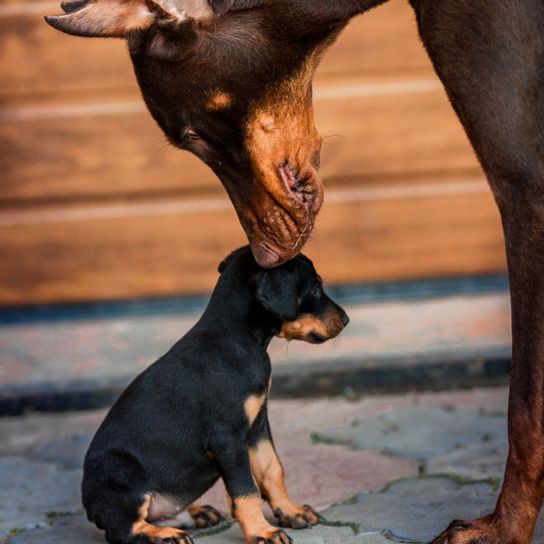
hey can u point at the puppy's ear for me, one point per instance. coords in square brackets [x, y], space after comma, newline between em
[277, 292]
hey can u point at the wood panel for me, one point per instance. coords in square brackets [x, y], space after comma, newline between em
[95, 205]
[373, 235]
[34, 58]
[371, 129]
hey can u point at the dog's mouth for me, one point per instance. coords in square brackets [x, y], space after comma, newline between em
[282, 220]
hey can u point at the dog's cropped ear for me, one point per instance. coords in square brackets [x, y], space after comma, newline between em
[277, 292]
[121, 18]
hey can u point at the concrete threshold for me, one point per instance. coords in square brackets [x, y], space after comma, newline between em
[441, 342]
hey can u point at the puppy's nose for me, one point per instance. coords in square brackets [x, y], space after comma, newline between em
[344, 318]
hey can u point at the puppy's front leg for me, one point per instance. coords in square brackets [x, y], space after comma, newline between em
[268, 472]
[233, 460]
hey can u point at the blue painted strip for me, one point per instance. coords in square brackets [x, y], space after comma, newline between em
[345, 294]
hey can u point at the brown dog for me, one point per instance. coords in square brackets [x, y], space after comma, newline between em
[230, 80]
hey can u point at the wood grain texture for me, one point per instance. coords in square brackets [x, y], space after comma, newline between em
[96, 206]
[86, 151]
[358, 238]
[35, 58]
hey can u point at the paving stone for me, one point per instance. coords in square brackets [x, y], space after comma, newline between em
[68, 451]
[480, 461]
[77, 530]
[416, 510]
[30, 490]
[421, 432]
[64, 530]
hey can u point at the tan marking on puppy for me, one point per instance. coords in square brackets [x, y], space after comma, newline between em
[302, 327]
[253, 406]
[142, 527]
[219, 101]
[248, 512]
[270, 476]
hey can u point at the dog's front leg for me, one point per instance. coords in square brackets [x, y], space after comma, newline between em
[270, 477]
[246, 502]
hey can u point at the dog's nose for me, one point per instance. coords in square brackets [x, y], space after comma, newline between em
[344, 318]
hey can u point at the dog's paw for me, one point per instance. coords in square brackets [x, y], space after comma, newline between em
[273, 537]
[162, 535]
[205, 516]
[297, 517]
[183, 538]
[480, 531]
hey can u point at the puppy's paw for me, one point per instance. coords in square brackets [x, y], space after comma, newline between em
[273, 537]
[162, 535]
[183, 538]
[297, 517]
[205, 516]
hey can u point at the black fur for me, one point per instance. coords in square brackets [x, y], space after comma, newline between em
[181, 424]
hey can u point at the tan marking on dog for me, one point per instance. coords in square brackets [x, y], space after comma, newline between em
[248, 512]
[219, 101]
[270, 477]
[142, 527]
[302, 327]
[253, 406]
[134, 17]
[281, 126]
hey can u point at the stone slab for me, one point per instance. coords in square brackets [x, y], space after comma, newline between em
[478, 461]
[76, 530]
[68, 452]
[31, 492]
[416, 510]
[420, 433]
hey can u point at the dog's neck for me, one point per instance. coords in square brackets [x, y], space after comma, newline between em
[234, 310]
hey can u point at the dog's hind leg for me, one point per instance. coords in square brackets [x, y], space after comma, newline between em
[490, 57]
[270, 477]
[121, 528]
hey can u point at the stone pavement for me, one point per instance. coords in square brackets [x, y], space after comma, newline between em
[380, 469]
[388, 346]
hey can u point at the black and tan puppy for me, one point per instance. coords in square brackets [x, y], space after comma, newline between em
[200, 413]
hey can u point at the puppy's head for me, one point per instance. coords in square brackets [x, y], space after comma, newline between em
[292, 294]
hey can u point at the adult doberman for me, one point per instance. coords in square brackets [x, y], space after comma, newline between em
[230, 80]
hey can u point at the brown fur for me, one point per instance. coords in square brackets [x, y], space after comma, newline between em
[204, 515]
[142, 527]
[219, 101]
[253, 405]
[269, 475]
[306, 325]
[248, 512]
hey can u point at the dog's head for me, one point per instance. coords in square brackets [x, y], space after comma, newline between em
[231, 82]
[292, 295]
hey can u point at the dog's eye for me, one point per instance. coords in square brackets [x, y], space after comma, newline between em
[189, 135]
